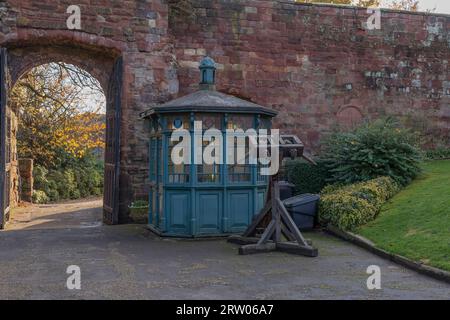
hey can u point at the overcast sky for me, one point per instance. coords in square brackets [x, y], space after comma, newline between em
[442, 6]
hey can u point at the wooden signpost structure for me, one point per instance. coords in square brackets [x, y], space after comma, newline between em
[280, 231]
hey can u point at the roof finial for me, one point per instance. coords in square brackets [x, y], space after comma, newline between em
[207, 74]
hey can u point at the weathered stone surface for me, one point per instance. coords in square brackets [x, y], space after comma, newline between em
[316, 64]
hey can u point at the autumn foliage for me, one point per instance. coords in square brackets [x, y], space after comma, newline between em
[84, 132]
[61, 114]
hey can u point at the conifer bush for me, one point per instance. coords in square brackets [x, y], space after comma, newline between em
[380, 148]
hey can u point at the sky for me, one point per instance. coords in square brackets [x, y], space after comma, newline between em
[442, 6]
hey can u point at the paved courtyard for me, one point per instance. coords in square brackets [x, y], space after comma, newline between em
[128, 262]
[83, 213]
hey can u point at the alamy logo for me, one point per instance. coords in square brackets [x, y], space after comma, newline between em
[374, 21]
[74, 20]
[74, 280]
[249, 147]
[374, 281]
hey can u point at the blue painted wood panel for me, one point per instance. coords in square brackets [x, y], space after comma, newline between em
[260, 201]
[209, 211]
[178, 212]
[240, 210]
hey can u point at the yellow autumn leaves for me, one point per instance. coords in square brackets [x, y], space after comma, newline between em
[82, 133]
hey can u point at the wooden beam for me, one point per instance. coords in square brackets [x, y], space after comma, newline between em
[295, 248]
[268, 233]
[291, 224]
[240, 240]
[276, 212]
[257, 248]
[255, 223]
[285, 231]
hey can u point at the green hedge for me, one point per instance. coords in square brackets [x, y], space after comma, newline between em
[351, 206]
[307, 178]
[438, 153]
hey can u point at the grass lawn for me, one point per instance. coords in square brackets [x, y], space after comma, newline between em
[416, 222]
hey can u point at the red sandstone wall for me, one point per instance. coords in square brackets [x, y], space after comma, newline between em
[298, 59]
[35, 32]
[318, 66]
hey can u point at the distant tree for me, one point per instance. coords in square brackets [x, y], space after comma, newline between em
[82, 133]
[53, 117]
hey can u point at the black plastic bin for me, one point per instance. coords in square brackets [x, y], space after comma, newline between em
[303, 209]
[286, 190]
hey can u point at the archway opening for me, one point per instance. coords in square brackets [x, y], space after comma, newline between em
[56, 126]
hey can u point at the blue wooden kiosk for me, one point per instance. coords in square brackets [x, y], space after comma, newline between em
[203, 200]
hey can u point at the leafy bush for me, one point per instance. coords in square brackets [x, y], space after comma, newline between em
[89, 181]
[77, 179]
[373, 150]
[348, 207]
[62, 182]
[40, 197]
[53, 195]
[307, 178]
[40, 178]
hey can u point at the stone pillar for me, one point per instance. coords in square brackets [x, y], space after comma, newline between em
[26, 177]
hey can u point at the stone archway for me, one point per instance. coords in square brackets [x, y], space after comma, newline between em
[23, 59]
[104, 64]
[349, 116]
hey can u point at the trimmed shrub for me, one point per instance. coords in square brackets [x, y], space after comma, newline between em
[438, 153]
[307, 178]
[373, 150]
[351, 206]
[332, 188]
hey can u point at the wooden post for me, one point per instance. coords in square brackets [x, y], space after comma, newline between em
[280, 224]
[276, 211]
